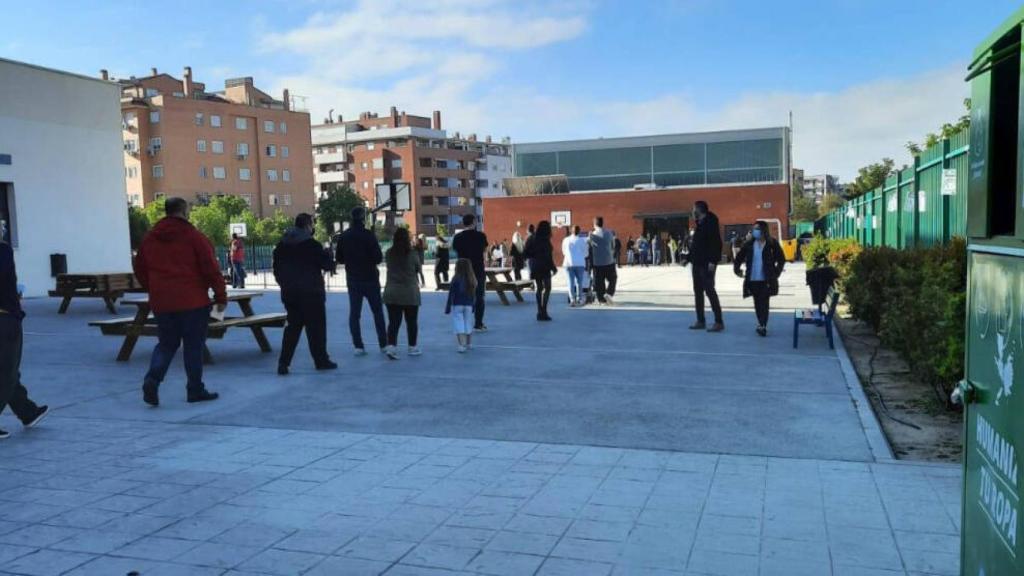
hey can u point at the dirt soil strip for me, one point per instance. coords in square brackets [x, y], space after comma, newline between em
[916, 421]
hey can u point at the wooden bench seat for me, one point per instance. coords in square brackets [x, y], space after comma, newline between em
[270, 320]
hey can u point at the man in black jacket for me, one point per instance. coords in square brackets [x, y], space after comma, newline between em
[299, 264]
[705, 254]
[359, 250]
[471, 244]
[12, 391]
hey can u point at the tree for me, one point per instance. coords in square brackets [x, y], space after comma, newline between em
[154, 211]
[336, 206]
[948, 131]
[441, 231]
[212, 221]
[804, 209]
[232, 206]
[138, 225]
[270, 230]
[829, 203]
[870, 177]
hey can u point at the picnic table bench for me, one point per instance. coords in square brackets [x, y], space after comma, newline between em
[110, 286]
[142, 325]
[820, 316]
[500, 281]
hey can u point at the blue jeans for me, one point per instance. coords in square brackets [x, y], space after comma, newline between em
[237, 275]
[188, 326]
[576, 279]
[370, 290]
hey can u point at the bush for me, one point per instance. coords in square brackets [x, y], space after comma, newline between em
[916, 301]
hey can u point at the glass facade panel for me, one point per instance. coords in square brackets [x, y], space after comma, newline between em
[609, 162]
[679, 179]
[746, 154]
[541, 164]
[679, 158]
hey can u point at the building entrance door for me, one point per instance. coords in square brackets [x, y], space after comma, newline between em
[674, 225]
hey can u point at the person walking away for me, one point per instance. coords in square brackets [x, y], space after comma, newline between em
[461, 297]
[402, 293]
[630, 249]
[299, 264]
[498, 255]
[764, 261]
[359, 251]
[12, 392]
[540, 255]
[617, 251]
[644, 248]
[442, 262]
[421, 253]
[177, 266]
[516, 254]
[574, 256]
[656, 250]
[705, 254]
[471, 244]
[602, 244]
[237, 262]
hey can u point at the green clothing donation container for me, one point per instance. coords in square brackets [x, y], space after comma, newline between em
[992, 392]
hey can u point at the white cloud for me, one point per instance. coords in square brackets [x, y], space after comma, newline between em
[448, 55]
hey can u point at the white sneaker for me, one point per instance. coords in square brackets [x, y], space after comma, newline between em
[415, 351]
[608, 301]
[461, 349]
[360, 352]
[391, 352]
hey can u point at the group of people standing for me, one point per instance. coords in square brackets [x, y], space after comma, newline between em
[656, 249]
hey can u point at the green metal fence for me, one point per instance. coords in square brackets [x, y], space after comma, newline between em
[917, 206]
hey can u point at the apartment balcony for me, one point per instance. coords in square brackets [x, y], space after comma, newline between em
[328, 177]
[330, 157]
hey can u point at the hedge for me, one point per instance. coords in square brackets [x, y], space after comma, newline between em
[914, 299]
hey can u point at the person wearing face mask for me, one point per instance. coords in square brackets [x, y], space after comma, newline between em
[764, 260]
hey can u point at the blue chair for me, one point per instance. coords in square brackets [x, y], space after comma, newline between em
[820, 316]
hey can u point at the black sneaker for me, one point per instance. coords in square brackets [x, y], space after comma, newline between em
[480, 328]
[4, 434]
[40, 414]
[328, 365]
[282, 370]
[149, 393]
[202, 395]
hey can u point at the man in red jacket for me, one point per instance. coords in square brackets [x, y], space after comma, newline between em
[176, 265]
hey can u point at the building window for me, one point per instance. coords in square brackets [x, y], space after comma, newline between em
[215, 120]
[286, 175]
[199, 118]
[131, 172]
[150, 92]
[242, 149]
[272, 175]
[271, 151]
[154, 117]
[364, 165]
[203, 198]
[241, 123]
[426, 182]
[378, 163]
[482, 184]
[158, 171]
[131, 146]
[426, 163]
[396, 163]
[244, 174]
[247, 198]
[370, 146]
[283, 128]
[219, 173]
[155, 145]
[268, 126]
[427, 200]
[286, 199]
[284, 151]
[217, 146]
[366, 185]
[200, 145]
[202, 172]
[272, 199]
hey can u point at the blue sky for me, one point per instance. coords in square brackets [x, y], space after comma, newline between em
[861, 76]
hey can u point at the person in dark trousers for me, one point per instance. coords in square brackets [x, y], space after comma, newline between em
[237, 262]
[358, 249]
[540, 254]
[402, 293]
[602, 246]
[420, 246]
[443, 262]
[705, 254]
[764, 261]
[617, 252]
[12, 391]
[299, 264]
[471, 244]
[177, 266]
[515, 252]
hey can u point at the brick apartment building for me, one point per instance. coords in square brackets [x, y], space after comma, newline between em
[180, 140]
[447, 176]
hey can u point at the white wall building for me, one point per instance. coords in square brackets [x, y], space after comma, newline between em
[61, 173]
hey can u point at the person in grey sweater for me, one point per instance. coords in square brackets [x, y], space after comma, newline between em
[602, 246]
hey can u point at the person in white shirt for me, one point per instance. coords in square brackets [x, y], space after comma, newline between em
[574, 257]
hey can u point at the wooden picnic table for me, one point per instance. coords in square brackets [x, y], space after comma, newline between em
[142, 325]
[500, 281]
[110, 286]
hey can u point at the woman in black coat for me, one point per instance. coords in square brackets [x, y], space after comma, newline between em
[764, 260]
[540, 254]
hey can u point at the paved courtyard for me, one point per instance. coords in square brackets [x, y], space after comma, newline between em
[610, 441]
